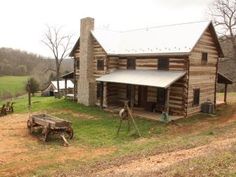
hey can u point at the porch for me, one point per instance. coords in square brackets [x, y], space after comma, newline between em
[149, 92]
[222, 79]
[141, 113]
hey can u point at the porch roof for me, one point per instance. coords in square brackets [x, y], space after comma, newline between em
[151, 78]
[222, 79]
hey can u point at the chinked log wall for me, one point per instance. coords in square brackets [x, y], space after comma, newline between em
[178, 90]
[98, 53]
[202, 76]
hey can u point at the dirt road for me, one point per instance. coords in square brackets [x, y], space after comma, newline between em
[155, 163]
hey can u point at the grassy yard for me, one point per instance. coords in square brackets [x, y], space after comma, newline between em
[95, 130]
[11, 86]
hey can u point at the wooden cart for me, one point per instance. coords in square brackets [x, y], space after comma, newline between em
[49, 124]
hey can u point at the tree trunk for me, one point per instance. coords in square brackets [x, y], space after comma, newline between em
[29, 99]
[233, 41]
[58, 79]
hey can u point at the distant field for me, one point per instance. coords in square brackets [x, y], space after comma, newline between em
[11, 86]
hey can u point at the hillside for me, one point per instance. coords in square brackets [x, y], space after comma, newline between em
[20, 63]
[11, 86]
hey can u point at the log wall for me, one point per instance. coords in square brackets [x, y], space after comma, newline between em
[178, 90]
[202, 76]
[99, 54]
[148, 63]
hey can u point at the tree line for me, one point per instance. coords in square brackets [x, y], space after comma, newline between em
[20, 63]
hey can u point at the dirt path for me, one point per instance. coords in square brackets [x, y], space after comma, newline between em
[157, 162]
[21, 153]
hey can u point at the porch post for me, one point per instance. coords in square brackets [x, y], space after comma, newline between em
[167, 100]
[101, 95]
[65, 87]
[225, 95]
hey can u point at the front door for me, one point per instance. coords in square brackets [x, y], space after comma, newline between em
[142, 96]
[161, 96]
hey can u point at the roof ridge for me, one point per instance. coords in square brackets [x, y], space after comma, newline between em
[162, 26]
[152, 27]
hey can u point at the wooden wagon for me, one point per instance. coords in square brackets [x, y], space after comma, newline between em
[50, 125]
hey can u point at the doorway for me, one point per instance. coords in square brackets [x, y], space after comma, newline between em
[142, 96]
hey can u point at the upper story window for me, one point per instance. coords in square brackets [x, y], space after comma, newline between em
[131, 63]
[196, 97]
[204, 58]
[100, 64]
[163, 64]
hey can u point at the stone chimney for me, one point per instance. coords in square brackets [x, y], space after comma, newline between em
[87, 83]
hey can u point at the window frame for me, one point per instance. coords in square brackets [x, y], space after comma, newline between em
[196, 98]
[163, 65]
[78, 64]
[131, 63]
[100, 67]
[204, 59]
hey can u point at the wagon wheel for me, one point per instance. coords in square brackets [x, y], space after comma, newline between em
[30, 126]
[70, 132]
[45, 133]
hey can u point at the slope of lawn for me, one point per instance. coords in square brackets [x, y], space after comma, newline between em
[96, 129]
[11, 86]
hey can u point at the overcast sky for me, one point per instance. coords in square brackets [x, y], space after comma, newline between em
[23, 21]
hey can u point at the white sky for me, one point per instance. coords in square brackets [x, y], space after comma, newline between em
[23, 22]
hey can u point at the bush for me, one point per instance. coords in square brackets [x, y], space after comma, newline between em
[32, 86]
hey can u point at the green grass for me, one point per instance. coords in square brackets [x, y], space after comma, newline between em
[11, 86]
[97, 128]
[92, 126]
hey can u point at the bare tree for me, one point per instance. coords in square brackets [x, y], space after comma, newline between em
[224, 17]
[60, 46]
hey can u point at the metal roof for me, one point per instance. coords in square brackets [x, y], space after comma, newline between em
[70, 84]
[152, 78]
[178, 38]
[222, 79]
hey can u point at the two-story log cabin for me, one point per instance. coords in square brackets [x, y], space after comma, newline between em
[170, 67]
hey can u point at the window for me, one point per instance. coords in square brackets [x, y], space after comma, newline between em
[204, 58]
[100, 64]
[163, 64]
[99, 90]
[78, 64]
[196, 97]
[131, 63]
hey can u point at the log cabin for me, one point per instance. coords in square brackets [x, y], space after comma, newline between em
[172, 68]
